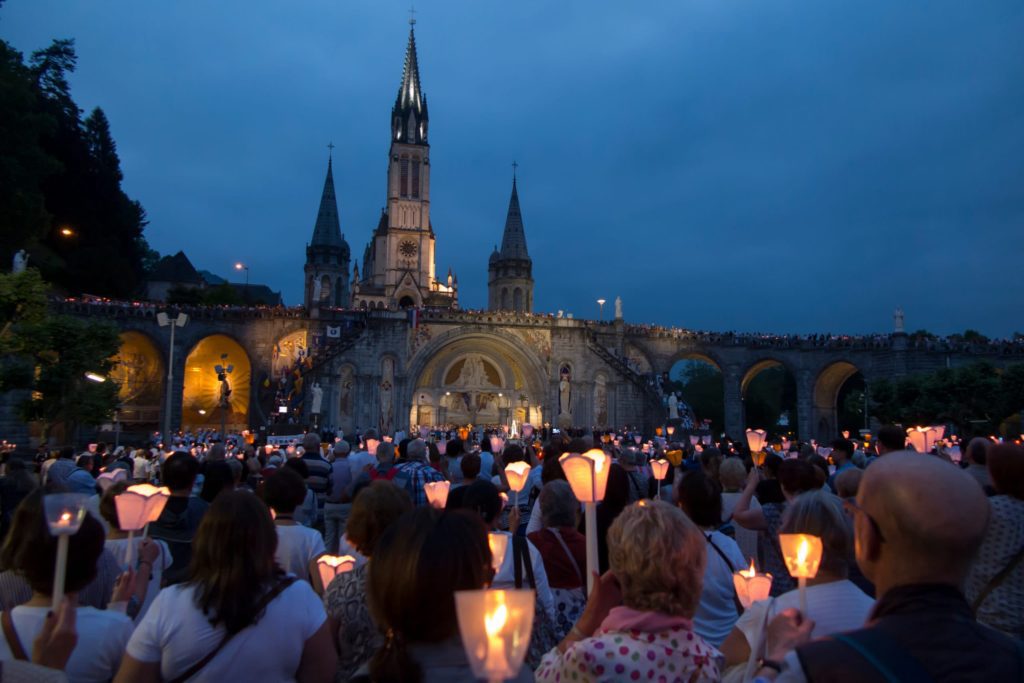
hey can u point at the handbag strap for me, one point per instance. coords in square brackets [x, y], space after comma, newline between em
[11, 635]
[732, 570]
[997, 580]
[264, 601]
[572, 559]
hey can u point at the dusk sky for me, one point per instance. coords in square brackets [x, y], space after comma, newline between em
[769, 165]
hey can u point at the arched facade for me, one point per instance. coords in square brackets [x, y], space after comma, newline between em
[826, 397]
[203, 387]
[140, 371]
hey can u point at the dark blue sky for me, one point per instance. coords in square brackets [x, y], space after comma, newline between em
[788, 166]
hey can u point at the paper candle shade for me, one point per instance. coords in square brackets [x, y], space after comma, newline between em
[140, 505]
[756, 439]
[675, 457]
[437, 493]
[108, 479]
[670, 430]
[638, 438]
[706, 439]
[504, 500]
[65, 512]
[694, 439]
[824, 451]
[659, 468]
[657, 431]
[495, 627]
[750, 586]
[587, 474]
[923, 438]
[758, 457]
[330, 566]
[516, 473]
[499, 546]
[802, 553]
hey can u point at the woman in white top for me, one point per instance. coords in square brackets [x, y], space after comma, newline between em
[701, 499]
[834, 603]
[733, 475]
[32, 552]
[238, 617]
[297, 546]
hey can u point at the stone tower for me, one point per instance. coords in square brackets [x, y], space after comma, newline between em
[510, 270]
[398, 264]
[327, 254]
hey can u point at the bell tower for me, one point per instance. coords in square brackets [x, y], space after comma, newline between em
[327, 254]
[510, 270]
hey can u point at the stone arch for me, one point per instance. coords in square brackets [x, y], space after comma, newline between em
[706, 356]
[788, 408]
[522, 374]
[201, 390]
[828, 383]
[139, 370]
[702, 395]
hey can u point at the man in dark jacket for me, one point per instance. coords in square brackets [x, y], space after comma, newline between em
[918, 522]
[180, 519]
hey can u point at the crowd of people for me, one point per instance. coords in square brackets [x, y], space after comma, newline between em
[921, 574]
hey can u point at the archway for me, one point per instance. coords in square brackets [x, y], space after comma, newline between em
[697, 379]
[478, 378]
[839, 401]
[139, 370]
[768, 389]
[201, 398]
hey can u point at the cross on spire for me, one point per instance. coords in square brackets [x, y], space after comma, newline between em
[515, 167]
[412, 15]
[330, 149]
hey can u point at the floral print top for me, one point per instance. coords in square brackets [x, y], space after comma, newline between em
[358, 637]
[630, 647]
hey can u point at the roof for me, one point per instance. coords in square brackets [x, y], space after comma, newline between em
[211, 278]
[327, 231]
[513, 241]
[256, 294]
[411, 102]
[175, 269]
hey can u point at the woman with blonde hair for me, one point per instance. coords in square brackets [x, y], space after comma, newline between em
[638, 623]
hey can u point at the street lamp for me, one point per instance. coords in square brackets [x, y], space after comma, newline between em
[95, 377]
[242, 266]
[67, 232]
[164, 320]
[600, 309]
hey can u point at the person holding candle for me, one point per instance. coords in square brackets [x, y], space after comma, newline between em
[374, 510]
[415, 472]
[795, 477]
[733, 474]
[31, 551]
[918, 525]
[418, 564]
[152, 557]
[638, 623]
[835, 604]
[238, 617]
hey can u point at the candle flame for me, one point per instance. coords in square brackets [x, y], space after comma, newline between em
[65, 517]
[749, 573]
[495, 622]
[802, 552]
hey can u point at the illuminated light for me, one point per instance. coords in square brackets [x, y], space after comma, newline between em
[587, 474]
[756, 439]
[659, 468]
[498, 543]
[437, 493]
[517, 473]
[94, 377]
[330, 566]
[751, 586]
[495, 626]
[67, 232]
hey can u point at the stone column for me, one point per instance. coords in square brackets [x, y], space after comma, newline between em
[805, 409]
[735, 420]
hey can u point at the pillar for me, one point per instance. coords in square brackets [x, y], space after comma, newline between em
[735, 420]
[805, 408]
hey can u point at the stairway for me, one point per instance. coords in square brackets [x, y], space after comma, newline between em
[651, 396]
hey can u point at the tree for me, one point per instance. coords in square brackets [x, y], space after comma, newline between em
[700, 385]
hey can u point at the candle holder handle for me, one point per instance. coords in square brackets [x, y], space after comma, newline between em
[60, 571]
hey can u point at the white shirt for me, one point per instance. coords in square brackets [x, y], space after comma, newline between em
[142, 468]
[176, 634]
[296, 546]
[834, 607]
[118, 547]
[102, 635]
[716, 613]
[746, 539]
[359, 461]
[535, 523]
[506, 576]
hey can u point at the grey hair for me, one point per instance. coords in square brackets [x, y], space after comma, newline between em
[558, 505]
[821, 514]
[385, 452]
[416, 450]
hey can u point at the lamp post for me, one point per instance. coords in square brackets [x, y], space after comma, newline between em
[600, 309]
[588, 476]
[242, 266]
[164, 320]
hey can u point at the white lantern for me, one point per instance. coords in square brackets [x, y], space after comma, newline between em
[498, 543]
[802, 554]
[329, 566]
[108, 479]
[659, 468]
[756, 439]
[751, 586]
[437, 493]
[587, 474]
[140, 505]
[516, 473]
[65, 513]
[495, 627]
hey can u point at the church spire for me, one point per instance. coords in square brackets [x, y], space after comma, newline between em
[409, 115]
[513, 242]
[328, 228]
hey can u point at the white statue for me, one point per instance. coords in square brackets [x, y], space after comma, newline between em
[618, 308]
[20, 262]
[897, 319]
[318, 398]
[473, 373]
[673, 407]
[564, 394]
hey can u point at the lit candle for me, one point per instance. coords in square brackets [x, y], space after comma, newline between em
[494, 623]
[516, 473]
[802, 553]
[499, 545]
[329, 566]
[437, 493]
[751, 586]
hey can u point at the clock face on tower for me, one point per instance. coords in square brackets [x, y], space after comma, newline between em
[407, 248]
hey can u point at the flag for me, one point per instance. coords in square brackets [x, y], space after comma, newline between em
[414, 317]
[333, 331]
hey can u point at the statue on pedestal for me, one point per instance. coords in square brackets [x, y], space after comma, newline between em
[673, 407]
[317, 399]
[20, 262]
[618, 308]
[897, 319]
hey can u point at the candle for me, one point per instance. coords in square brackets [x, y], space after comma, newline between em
[751, 586]
[802, 554]
[329, 566]
[437, 493]
[495, 651]
[499, 545]
[516, 473]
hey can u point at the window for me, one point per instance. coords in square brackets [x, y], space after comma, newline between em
[415, 179]
[403, 183]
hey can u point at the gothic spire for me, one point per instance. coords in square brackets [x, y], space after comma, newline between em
[513, 242]
[328, 229]
[409, 115]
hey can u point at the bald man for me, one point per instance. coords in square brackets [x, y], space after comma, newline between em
[918, 523]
